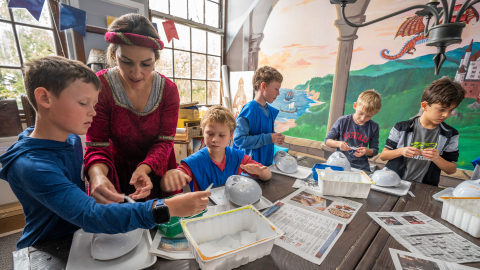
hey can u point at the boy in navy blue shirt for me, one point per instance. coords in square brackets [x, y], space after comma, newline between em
[44, 167]
[358, 130]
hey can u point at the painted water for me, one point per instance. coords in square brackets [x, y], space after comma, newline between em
[300, 98]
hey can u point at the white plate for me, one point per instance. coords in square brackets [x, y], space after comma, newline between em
[401, 190]
[80, 257]
[448, 192]
[111, 246]
[302, 172]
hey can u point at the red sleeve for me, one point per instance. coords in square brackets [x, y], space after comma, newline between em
[186, 170]
[158, 157]
[247, 160]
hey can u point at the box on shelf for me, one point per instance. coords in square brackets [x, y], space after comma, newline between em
[190, 131]
[246, 218]
[182, 122]
[188, 114]
[182, 150]
[464, 213]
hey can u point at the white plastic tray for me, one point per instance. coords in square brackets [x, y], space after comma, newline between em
[302, 172]
[464, 214]
[401, 190]
[80, 258]
[346, 189]
[448, 192]
[204, 229]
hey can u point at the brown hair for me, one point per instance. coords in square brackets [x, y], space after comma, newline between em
[444, 91]
[265, 74]
[55, 73]
[370, 100]
[131, 23]
[219, 114]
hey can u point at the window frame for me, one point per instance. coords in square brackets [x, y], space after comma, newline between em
[208, 29]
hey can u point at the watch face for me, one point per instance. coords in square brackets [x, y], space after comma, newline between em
[161, 214]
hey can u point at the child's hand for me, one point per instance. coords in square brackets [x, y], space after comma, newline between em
[278, 138]
[360, 151]
[141, 182]
[410, 152]
[187, 204]
[431, 154]
[344, 147]
[253, 168]
[174, 180]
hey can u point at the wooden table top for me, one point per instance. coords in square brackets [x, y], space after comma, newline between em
[363, 244]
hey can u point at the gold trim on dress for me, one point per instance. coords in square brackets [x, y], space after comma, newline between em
[166, 138]
[118, 103]
[97, 144]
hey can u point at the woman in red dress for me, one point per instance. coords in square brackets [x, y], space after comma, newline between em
[130, 141]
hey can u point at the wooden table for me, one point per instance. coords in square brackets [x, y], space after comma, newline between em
[363, 244]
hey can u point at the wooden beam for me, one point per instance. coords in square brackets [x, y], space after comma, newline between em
[96, 30]
[80, 47]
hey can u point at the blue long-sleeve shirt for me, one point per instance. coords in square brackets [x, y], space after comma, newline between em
[242, 137]
[45, 176]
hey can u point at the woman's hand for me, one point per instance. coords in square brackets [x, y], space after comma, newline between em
[141, 182]
[101, 189]
[174, 180]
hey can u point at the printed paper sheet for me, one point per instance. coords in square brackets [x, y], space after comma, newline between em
[406, 260]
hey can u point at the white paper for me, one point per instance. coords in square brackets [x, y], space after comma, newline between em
[406, 260]
[425, 236]
[310, 229]
[309, 183]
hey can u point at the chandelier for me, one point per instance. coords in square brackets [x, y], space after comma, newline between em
[444, 31]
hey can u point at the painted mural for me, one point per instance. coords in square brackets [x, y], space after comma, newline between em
[390, 57]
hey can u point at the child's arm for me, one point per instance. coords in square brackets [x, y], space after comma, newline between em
[333, 135]
[338, 144]
[391, 151]
[176, 179]
[243, 139]
[372, 150]
[255, 169]
[444, 165]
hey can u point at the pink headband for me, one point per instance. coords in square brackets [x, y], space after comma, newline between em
[134, 39]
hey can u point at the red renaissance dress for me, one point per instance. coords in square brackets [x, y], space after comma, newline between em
[123, 138]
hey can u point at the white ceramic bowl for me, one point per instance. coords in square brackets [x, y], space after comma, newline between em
[340, 160]
[242, 190]
[386, 178]
[111, 246]
[285, 162]
[468, 189]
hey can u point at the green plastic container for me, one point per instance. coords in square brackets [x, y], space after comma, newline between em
[173, 228]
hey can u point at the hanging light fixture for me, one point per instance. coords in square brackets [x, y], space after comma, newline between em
[443, 32]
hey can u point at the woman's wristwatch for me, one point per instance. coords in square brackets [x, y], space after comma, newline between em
[161, 214]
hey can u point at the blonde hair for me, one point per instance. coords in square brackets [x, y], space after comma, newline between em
[219, 114]
[265, 74]
[370, 100]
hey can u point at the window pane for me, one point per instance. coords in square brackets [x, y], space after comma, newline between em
[198, 91]
[35, 42]
[23, 16]
[184, 88]
[213, 68]
[213, 93]
[214, 44]
[4, 10]
[184, 37]
[11, 84]
[211, 14]
[161, 32]
[182, 64]
[164, 65]
[199, 41]
[178, 8]
[216, 1]
[199, 66]
[159, 5]
[195, 10]
[8, 48]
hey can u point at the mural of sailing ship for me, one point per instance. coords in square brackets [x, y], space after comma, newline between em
[291, 108]
[289, 95]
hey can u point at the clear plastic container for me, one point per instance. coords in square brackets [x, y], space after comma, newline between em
[464, 213]
[246, 218]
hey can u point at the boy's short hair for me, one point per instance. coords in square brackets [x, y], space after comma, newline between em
[55, 73]
[370, 100]
[265, 74]
[444, 91]
[219, 114]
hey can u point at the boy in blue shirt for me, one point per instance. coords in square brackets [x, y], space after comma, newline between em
[44, 167]
[358, 130]
[255, 133]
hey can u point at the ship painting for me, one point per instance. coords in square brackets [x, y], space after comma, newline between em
[288, 96]
[291, 108]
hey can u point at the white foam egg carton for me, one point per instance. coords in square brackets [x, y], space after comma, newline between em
[464, 213]
[246, 218]
[344, 184]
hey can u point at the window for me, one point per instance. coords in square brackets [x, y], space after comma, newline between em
[22, 39]
[194, 61]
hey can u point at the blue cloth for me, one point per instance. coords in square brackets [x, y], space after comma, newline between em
[345, 129]
[33, 6]
[475, 162]
[45, 176]
[253, 132]
[207, 172]
[75, 18]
